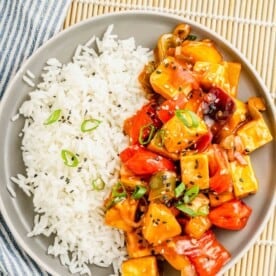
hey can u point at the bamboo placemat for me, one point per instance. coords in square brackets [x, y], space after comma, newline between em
[250, 25]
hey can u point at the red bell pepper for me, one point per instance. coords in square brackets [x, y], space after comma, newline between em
[206, 253]
[168, 107]
[144, 117]
[144, 162]
[220, 175]
[232, 215]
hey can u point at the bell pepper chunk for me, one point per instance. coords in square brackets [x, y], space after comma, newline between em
[140, 267]
[122, 215]
[244, 179]
[169, 79]
[195, 170]
[204, 50]
[232, 215]
[159, 224]
[177, 261]
[178, 136]
[206, 253]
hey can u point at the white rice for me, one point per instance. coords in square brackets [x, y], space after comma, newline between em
[103, 86]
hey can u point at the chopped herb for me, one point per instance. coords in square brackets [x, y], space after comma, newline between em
[54, 117]
[141, 134]
[191, 37]
[89, 125]
[179, 189]
[187, 117]
[98, 184]
[139, 192]
[191, 194]
[69, 158]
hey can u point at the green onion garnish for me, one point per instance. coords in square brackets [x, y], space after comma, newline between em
[54, 117]
[119, 191]
[191, 37]
[98, 184]
[179, 189]
[139, 192]
[203, 210]
[187, 117]
[89, 125]
[191, 194]
[187, 210]
[69, 158]
[141, 134]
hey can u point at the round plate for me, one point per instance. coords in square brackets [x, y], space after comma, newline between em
[145, 27]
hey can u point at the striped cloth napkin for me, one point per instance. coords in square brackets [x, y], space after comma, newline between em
[24, 26]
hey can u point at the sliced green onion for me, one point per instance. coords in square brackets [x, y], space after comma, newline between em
[141, 134]
[179, 189]
[98, 184]
[187, 210]
[191, 194]
[69, 158]
[187, 117]
[54, 117]
[160, 135]
[203, 210]
[139, 192]
[119, 191]
[89, 125]
[191, 37]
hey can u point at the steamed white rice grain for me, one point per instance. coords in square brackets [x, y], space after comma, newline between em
[102, 86]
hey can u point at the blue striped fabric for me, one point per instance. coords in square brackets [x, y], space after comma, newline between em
[24, 26]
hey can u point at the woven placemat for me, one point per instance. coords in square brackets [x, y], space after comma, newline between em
[250, 25]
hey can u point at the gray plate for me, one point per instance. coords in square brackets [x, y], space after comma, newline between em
[146, 28]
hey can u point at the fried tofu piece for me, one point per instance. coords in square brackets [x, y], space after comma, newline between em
[195, 170]
[169, 79]
[244, 179]
[178, 136]
[159, 224]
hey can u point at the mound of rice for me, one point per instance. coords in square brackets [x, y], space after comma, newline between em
[100, 84]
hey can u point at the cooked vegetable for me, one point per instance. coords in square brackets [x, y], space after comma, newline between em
[199, 206]
[188, 165]
[140, 267]
[54, 117]
[69, 158]
[180, 262]
[162, 186]
[144, 162]
[232, 215]
[142, 124]
[159, 224]
[207, 254]
[139, 192]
